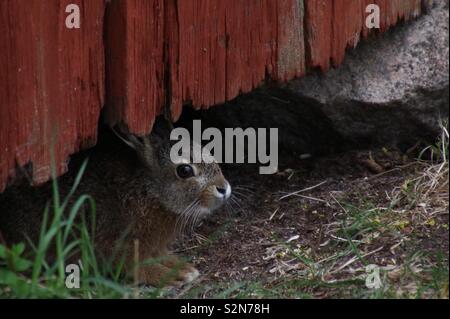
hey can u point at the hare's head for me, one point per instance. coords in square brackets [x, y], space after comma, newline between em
[187, 189]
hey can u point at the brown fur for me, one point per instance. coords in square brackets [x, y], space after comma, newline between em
[141, 194]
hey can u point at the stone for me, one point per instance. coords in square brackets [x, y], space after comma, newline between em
[393, 88]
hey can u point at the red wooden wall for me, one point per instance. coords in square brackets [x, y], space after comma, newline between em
[51, 84]
[202, 51]
[157, 55]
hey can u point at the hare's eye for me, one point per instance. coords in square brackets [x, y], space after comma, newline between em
[185, 171]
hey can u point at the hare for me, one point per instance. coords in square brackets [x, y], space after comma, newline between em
[138, 190]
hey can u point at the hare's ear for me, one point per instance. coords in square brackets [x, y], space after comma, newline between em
[161, 130]
[142, 145]
[127, 138]
[160, 137]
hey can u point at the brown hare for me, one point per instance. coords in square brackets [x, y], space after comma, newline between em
[138, 191]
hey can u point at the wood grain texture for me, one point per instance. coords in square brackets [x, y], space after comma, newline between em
[51, 88]
[135, 62]
[203, 52]
[333, 26]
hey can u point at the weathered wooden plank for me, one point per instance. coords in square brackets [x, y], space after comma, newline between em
[51, 81]
[290, 40]
[223, 48]
[206, 52]
[135, 62]
[346, 28]
[318, 33]
[332, 26]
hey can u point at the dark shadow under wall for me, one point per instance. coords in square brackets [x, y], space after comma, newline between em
[306, 130]
[303, 129]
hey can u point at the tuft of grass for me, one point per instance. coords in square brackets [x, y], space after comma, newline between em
[67, 231]
[431, 184]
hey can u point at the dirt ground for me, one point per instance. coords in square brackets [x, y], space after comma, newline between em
[313, 228]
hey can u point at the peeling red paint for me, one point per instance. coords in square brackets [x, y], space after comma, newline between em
[332, 26]
[51, 84]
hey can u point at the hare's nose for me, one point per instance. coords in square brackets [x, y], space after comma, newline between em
[224, 191]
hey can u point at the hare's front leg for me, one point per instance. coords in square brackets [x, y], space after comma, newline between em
[185, 271]
[170, 271]
[156, 275]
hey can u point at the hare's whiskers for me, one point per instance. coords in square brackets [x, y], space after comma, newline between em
[230, 208]
[183, 218]
[235, 200]
[245, 189]
[237, 194]
[193, 217]
[232, 204]
[188, 218]
[196, 215]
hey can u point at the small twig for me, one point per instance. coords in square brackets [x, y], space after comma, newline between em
[351, 261]
[311, 198]
[274, 213]
[302, 191]
[346, 240]
[136, 269]
[340, 205]
[327, 259]
[186, 249]
[399, 168]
